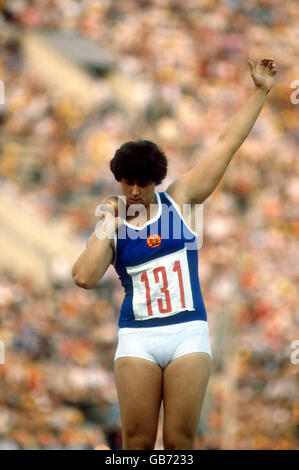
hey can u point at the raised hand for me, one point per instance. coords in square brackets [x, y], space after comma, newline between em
[263, 73]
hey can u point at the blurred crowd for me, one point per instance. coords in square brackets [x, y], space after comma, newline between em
[190, 61]
[57, 387]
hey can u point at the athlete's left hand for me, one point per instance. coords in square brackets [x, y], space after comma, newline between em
[263, 73]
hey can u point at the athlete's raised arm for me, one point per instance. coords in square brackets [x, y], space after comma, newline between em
[197, 184]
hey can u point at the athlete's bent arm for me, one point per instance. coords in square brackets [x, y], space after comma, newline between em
[198, 184]
[92, 264]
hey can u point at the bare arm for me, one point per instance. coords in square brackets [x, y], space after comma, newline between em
[92, 264]
[197, 184]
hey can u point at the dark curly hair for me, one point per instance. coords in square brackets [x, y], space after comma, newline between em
[140, 159]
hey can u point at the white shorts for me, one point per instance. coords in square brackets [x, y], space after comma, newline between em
[162, 344]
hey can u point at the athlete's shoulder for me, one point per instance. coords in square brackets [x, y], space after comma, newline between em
[175, 195]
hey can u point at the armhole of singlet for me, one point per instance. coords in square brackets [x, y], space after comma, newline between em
[179, 212]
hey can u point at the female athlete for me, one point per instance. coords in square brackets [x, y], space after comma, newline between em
[163, 353]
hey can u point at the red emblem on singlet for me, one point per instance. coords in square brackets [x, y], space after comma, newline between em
[154, 240]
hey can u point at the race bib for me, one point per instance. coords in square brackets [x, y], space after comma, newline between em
[161, 287]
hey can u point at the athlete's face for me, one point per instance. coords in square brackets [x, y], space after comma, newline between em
[138, 192]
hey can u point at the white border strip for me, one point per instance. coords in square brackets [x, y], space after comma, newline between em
[179, 212]
[115, 249]
[151, 221]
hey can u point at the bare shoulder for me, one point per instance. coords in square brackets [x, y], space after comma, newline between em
[176, 192]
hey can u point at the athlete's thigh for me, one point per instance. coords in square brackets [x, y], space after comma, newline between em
[139, 389]
[184, 384]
